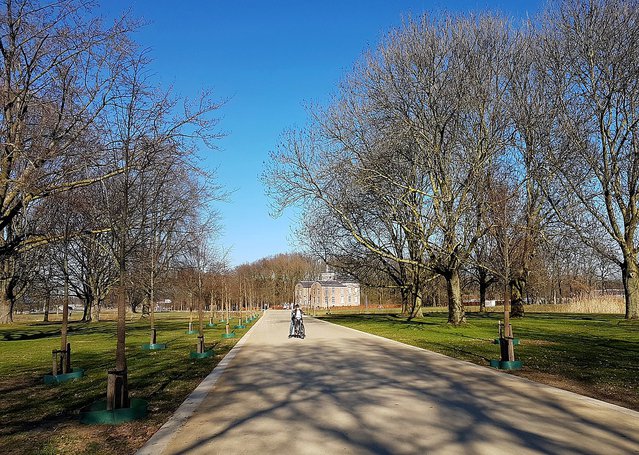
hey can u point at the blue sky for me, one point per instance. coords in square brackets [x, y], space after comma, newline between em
[270, 59]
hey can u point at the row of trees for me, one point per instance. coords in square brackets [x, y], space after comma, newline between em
[466, 143]
[99, 183]
[263, 283]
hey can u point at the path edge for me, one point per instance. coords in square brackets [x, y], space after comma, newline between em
[161, 438]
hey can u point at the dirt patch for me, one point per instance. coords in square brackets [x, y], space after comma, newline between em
[71, 437]
[610, 394]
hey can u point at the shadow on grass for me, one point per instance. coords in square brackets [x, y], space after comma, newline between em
[52, 330]
[164, 377]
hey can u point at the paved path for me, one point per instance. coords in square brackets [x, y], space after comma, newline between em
[340, 391]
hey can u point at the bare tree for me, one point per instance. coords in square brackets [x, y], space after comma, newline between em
[57, 71]
[198, 260]
[326, 236]
[591, 52]
[141, 126]
[531, 109]
[416, 128]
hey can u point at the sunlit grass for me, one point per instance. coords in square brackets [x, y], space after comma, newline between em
[39, 418]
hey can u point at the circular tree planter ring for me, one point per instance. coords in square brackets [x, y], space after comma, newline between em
[228, 335]
[201, 355]
[506, 365]
[240, 326]
[57, 379]
[97, 413]
[153, 347]
[211, 324]
[192, 332]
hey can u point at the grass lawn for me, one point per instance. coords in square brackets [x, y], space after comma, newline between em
[43, 419]
[594, 355]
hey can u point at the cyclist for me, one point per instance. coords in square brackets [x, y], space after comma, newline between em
[297, 322]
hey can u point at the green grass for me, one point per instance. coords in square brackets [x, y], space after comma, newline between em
[38, 418]
[596, 355]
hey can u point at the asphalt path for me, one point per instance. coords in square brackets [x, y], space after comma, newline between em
[340, 391]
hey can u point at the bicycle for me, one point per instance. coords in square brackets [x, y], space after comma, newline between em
[299, 331]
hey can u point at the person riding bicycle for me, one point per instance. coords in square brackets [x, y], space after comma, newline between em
[297, 323]
[291, 329]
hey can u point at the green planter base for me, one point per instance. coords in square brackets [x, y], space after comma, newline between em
[153, 347]
[192, 332]
[211, 324]
[98, 414]
[57, 379]
[505, 365]
[228, 335]
[515, 341]
[240, 326]
[201, 355]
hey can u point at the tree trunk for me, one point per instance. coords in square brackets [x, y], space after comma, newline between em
[86, 314]
[483, 287]
[517, 292]
[456, 314]
[7, 302]
[630, 277]
[415, 309]
[95, 310]
[47, 305]
[6, 310]
[117, 382]
[200, 307]
[405, 294]
[65, 313]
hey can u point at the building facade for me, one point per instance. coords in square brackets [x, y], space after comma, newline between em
[327, 292]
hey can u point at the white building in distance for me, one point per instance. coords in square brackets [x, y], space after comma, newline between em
[327, 292]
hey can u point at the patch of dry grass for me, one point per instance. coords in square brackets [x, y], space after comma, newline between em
[599, 305]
